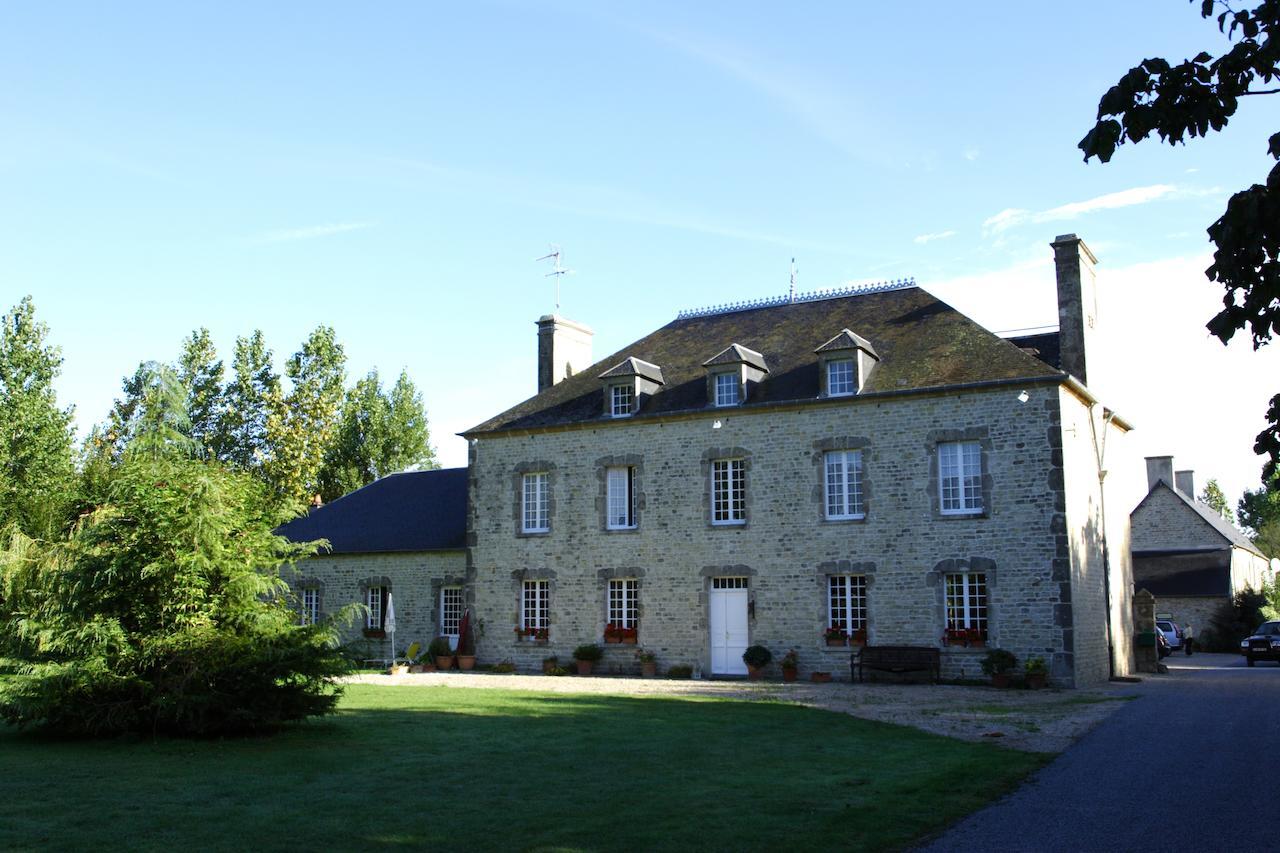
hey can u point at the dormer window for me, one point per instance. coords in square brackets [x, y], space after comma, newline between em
[621, 399]
[731, 373]
[727, 389]
[845, 364]
[841, 377]
[627, 385]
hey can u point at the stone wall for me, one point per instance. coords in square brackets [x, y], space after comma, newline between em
[415, 580]
[904, 546]
[1164, 522]
[1248, 570]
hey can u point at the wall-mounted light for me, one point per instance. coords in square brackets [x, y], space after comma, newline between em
[1024, 397]
[716, 425]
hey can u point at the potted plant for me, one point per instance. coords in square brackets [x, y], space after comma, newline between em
[999, 664]
[859, 637]
[835, 636]
[550, 663]
[648, 663]
[467, 648]
[441, 653]
[586, 655]
[612, 633]
[756, 658]
[630, 635]
[790, 665]
[1037, 671]
[975, 638]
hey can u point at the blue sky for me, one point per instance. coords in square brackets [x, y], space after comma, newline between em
[393, 169]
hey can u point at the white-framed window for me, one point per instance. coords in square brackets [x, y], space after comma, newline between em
[373, 599]
[841, 377]
[728, 491]
[535, 603]
[967, 602]
[730, 583]
[621, 400]
[534, 504]
[620, 485]
[843, 486]
[624, 595]
[847, 603]
[310, 605]
[450, 610]
[960, 477]
[727, 389]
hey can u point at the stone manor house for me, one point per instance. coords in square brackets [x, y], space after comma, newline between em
[871, 461]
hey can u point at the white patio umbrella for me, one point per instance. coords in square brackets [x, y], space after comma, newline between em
[389, 625]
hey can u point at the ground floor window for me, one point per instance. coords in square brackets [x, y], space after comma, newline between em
[375, 599]
[624, 611]
[310, 605]
[450, 610]
[966, 606]
[847, 608]
[535, 610]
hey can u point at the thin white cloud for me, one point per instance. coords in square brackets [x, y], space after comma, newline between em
[929, 238]
[313, 232]
[1004, 220]
[971, 154]
[1013, 216]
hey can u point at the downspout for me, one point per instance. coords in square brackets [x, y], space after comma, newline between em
[1100, 452]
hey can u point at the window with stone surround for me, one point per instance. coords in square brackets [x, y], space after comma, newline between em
[450, 610]
[727, 390]
[620, 498]
[534, 504]
[966, 604]
[728, 491]
[624, 603]
[841, 377]
[621, 400]
[843, 485]
[376, 600]
[310, 605]
[847, 605]
[535, 606]
[960, 477]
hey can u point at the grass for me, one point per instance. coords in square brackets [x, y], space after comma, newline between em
[485, 769]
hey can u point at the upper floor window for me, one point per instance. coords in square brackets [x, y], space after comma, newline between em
[375, 599]
[450, 611]
[960, 477]
[727, 389]
[534, 514]
[844, 484]
[620, 485]
[621, 400]
[310, 605]
[966, 604]
[728, 491]
[841, 377]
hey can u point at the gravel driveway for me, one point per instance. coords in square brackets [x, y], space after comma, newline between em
[1035, 720]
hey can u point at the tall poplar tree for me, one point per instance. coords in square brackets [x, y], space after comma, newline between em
[246, 403]
[200, 372]
[35, 435]
[301, 424]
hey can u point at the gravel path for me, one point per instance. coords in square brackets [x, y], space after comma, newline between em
[1190, 765]
[1034, 720]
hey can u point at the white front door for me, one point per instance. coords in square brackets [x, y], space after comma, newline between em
[728, 625]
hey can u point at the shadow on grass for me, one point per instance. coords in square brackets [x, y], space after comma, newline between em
[437, 767]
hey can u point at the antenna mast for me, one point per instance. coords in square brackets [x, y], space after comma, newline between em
[556, 269]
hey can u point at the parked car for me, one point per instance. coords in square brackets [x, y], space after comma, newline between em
[1262, 644]
[1171, 632]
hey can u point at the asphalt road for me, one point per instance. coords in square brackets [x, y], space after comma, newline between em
[1191, 765]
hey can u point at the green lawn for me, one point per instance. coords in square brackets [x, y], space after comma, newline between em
[485, 769]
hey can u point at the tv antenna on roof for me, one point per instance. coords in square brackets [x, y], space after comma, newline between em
[556, 269]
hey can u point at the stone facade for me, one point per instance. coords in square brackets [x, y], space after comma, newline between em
[415, 580]
[1038, 539]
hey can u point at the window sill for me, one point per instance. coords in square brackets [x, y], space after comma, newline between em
[633, 529]
[533, 534]
[742, 523]
[977, 513]
[844, 519]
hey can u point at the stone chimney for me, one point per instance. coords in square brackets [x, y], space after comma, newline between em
[1077, 303]
[1159, 468]
[564, 348]
[1186, 482]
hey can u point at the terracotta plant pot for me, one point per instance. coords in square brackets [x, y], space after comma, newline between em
[789, 674]
[755, 673]
[444, 663]
[648, 669]
[584, 667]
[999, 679]
[1035, 680]
[835, 643]
[610, 639]
[629, 641]
[820, 677]
[466, 662]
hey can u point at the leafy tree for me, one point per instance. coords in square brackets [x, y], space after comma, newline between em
[151, 418]
[1232, 621]
[1211, 495]
[378, 434]
[1189, 100]
[200, 372]
[242, 431]
[162, 610]
[301, 424]
[1258, 507]
[35, 435]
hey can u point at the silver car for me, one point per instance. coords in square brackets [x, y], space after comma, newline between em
[1171, 632]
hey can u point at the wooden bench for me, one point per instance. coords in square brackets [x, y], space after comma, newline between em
[897, 659]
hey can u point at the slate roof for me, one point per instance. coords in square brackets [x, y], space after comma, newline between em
[1046, 346]
[737, 354]
[413, 511]
[922, 343]
[1226, 529]
[847, 340]
[634, 367]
